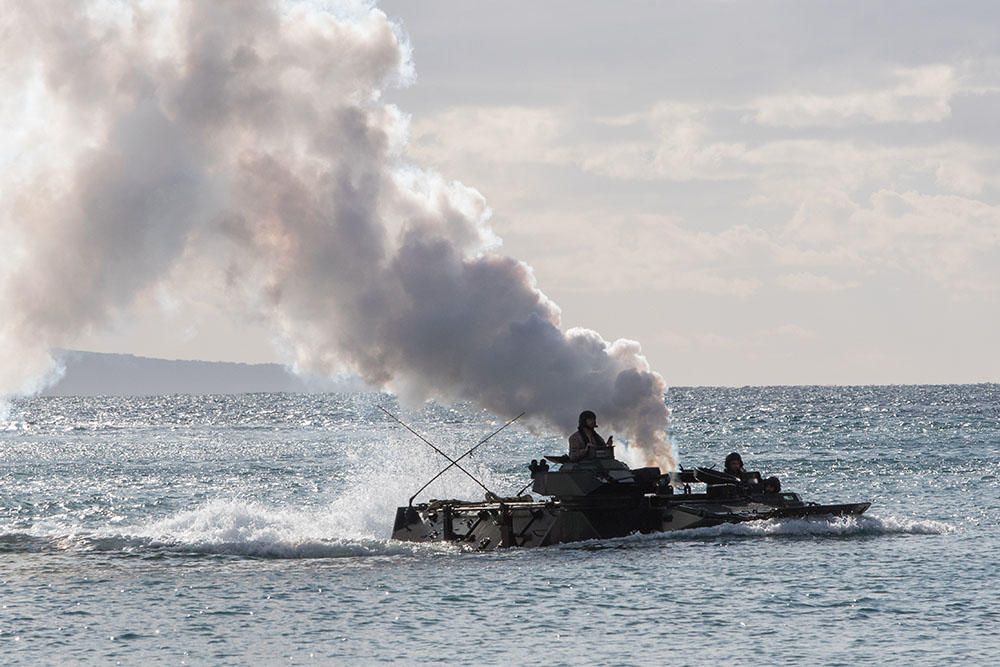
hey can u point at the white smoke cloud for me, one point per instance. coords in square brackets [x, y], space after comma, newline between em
[252, 135]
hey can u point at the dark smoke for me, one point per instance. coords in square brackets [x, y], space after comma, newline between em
[251, 135]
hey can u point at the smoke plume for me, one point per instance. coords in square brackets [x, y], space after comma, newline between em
[250, 135]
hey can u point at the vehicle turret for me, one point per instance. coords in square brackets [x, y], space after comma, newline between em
[592, 478]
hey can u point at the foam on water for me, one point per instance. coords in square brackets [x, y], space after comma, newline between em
[817, 528]
[249, 529]
[354, 521]
[221, 527]
[840, 526]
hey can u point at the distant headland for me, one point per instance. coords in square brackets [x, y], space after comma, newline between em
[103, 374]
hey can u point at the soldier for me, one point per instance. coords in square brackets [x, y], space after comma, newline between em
[734, 465]
[586, 442]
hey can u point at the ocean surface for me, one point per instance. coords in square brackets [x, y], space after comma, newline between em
[253, 529]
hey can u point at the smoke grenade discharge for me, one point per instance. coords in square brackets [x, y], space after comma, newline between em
[250, 136]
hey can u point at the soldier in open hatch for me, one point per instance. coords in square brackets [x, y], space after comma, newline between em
[586, 442]
[734, 465]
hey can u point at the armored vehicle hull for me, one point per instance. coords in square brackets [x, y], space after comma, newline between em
[601, 499]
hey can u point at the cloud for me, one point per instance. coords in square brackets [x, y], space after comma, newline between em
[679, 148]
[507, 134]
[658, 252]
[919, 95]
[950, 240]
[816, 203]
[788, 332]
[837, 213]
[813, 283]
[754, 342]
[959, 176]
[673, 144]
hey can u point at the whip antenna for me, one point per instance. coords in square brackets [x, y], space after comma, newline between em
[455, 462]
[434, 447]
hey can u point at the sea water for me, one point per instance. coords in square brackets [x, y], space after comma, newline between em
[254, 529]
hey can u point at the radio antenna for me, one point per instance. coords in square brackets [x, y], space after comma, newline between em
[455, 462]
[435, 448]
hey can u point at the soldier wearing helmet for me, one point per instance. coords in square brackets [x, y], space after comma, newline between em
[586, 442]
[734, 465]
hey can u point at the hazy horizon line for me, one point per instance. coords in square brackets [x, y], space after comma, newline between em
[682, 385]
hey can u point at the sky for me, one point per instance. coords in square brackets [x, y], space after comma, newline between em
[758, 192]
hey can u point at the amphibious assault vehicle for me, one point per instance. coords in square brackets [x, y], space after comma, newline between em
[602, 498]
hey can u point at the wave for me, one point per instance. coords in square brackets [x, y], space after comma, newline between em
[221, 528]
[355, 523]
[837, 526]
[250, 530]
[264, 549]
[817, 527]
